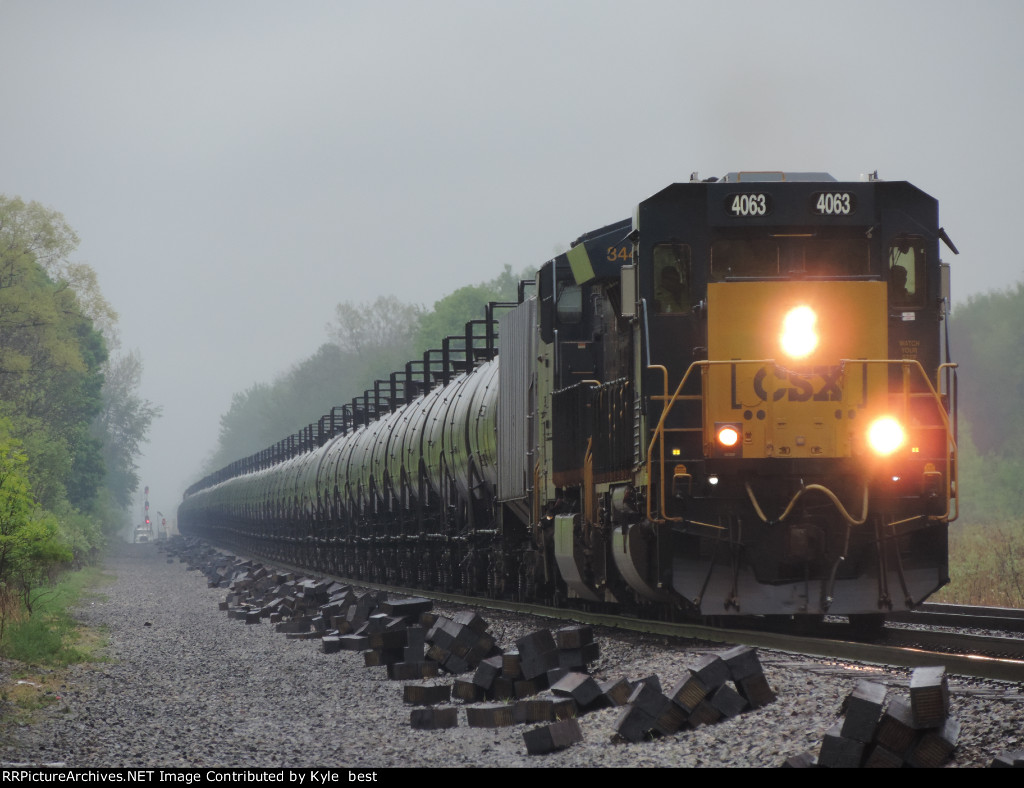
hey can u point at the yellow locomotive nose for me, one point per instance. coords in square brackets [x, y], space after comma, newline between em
[799, 337]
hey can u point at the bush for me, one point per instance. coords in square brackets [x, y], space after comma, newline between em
[30, 545]
[986, 565]
[49, 636]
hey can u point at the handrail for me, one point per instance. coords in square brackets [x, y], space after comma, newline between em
[658, 436]
[908, 367]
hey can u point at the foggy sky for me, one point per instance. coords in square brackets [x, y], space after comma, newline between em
[235, 168]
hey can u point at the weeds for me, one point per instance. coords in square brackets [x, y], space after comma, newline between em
[49, 635]
[42, 644]
[986, 565]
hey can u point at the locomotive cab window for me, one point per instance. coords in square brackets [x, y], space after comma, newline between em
[835, 257]
[744, 258]
[801, 256]
[906, 273]
[671, 279]
[570, 303]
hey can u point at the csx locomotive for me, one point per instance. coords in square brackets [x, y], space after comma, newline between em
[738, 402]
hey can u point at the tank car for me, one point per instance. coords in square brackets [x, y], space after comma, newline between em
[738, 402]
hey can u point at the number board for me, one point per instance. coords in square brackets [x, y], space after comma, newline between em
[748, 204]
[794, 204]
[833, 203]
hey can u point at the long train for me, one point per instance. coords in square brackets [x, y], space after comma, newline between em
[739, 402]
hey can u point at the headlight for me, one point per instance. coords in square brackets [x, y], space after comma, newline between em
[798, 337]
[885, 435]
[728, 436]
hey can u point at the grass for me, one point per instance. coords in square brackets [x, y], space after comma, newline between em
[986, 565]
[38, 648]
[50, 636]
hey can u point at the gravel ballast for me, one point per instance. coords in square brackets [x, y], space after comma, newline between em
[185, 686]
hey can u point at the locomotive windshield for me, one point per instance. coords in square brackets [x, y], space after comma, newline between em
[782, 258]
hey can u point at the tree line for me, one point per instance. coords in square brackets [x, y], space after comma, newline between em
[986, 545]
[71, 418]
[366, 342]
[986, 341]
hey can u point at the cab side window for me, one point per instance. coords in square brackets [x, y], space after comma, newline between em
[569, 307]
[906, 273]
[671, 279]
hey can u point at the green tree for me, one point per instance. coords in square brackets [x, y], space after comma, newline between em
[74, 409]
[385, 328]
[313, 386]
[51, 356]
[243, 428]
[265, 413]
[122, 424]
[367, 343]
[987, 333]
[985, 337]
[451, 313]
[30, 544]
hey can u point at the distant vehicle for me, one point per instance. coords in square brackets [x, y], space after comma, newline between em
[143, 533]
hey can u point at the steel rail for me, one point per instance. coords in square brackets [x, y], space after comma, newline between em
[977, 666]
[1006, 619]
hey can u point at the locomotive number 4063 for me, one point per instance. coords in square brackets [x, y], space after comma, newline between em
[749, 205]
[834, 204]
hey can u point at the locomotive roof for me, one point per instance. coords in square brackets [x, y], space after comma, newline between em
[777, 176]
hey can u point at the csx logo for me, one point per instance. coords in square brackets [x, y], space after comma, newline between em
[821, 384]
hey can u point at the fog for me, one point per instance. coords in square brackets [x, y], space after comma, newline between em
[236, 168]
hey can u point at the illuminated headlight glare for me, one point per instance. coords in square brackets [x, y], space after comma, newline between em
[712, 480]
[728, 436]
[885, 435]
[798, 337]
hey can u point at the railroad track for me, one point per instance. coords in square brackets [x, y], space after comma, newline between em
[981, 656]
[1002, 619]
[966, 654]
[954, 642]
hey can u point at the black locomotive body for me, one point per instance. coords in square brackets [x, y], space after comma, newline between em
[738, 402]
